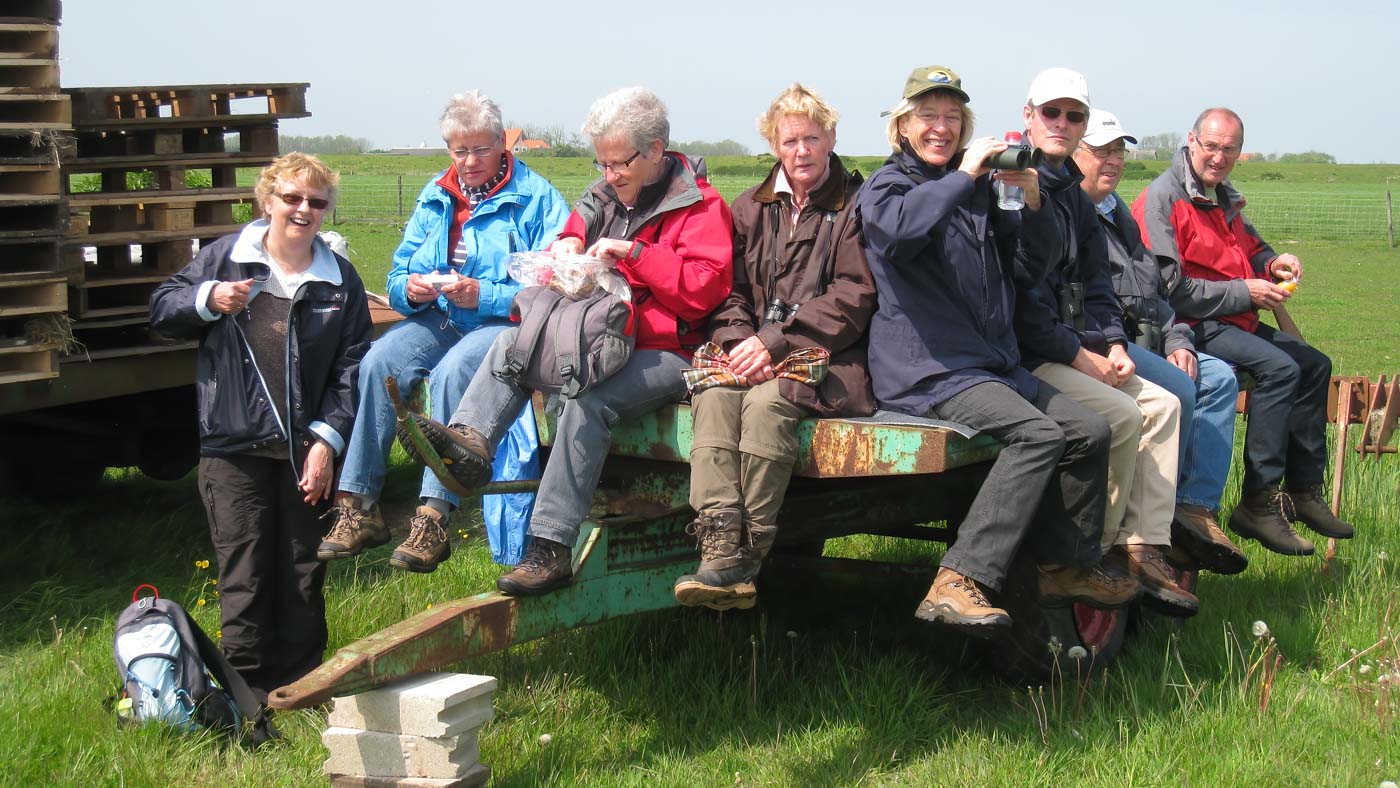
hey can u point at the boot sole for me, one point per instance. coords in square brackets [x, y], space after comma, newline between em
[414, 564]
[1324, 532]
[1179, 608]
[740, 596]
[1245, 533]
[468, 470]
[324, 553]
[985, 627]
[511, 588]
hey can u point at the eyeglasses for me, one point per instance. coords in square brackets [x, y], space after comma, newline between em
[481, 152]
[1215, 148]
[1072, 115]
[616, 167]
[293, 199]
[1103, 154]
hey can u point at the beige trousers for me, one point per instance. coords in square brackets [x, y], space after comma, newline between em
[1145, 420]
[743, 451]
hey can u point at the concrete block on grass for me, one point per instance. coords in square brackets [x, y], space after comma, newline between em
[476, 776]
[434, 704]
[376, 754]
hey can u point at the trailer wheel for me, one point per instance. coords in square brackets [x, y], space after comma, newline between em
[1041, 636]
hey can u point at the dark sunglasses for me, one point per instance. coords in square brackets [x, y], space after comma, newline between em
[292, 199]
[1072, 115]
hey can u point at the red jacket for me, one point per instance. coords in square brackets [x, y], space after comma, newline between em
[685, 266]
[1205, 247]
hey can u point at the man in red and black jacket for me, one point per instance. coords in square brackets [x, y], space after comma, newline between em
[1219, 273]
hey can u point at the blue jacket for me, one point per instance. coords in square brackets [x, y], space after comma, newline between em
[1040, 326]
[946, 268]
[525, 214]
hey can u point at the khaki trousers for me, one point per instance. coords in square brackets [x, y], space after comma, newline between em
[743, 451]
[1145, 420]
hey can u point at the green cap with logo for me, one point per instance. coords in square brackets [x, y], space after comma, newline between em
[922, 80]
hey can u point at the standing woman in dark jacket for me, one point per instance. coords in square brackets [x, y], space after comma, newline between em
[800, 281]
[947, 265]
[282, 323]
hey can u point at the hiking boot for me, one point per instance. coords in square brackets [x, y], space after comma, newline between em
[355, 530]
[728, 566]
[1159, 588]
[547, 565]
[462, 449]
[1196, 532]
[1264, 515]
[426, 545]
[1311, 509]
[1095, 586]
[956, 601]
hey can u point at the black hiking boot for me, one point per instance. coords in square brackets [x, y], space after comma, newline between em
[1265, 515]
[724, 579]
[1311, 509]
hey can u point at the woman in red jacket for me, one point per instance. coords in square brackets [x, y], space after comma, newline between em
[654, 214]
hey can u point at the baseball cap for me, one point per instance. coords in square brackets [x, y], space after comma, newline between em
[1058, 83]
[922, 80]
[1105, 128]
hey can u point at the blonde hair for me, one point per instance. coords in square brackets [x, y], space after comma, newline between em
[296, 167]
[908, 106]
[797, 100]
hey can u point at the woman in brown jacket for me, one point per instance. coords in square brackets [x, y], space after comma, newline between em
[800, 282]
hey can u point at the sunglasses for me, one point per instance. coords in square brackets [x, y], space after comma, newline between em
[1072, 115]
[293, 199]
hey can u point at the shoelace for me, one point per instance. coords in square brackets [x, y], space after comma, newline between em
[534, 559]
[973, 592]
[1284, 504]
[1101, 575]
[347, 521]
[418, 528]
[706, 533]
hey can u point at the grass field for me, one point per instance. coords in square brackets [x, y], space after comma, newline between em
[814, 691]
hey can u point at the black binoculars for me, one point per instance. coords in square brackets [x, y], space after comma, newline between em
[778, 311]
[1015, 157]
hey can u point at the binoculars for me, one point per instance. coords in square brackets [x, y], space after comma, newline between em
[778, 311]
[1015, 157]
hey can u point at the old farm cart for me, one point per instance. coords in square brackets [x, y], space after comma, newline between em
[870, 476]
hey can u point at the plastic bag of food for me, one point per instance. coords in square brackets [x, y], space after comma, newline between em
[574, 275]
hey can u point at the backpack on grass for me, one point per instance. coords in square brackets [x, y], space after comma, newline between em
[173, 673]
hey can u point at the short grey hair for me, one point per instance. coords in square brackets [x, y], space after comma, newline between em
[635, 113]
[471, 113]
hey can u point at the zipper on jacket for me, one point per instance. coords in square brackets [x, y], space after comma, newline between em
[262, 381]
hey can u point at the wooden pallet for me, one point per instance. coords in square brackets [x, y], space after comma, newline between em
[36, 147]
[160, 163]
[26, 259]
[124, 260]
[37, 179]
[34, 297]
[27, 38]
[186, 105]
[19, 363]
[112, 297]
[48, 10]
[32, 215]
[189, 210]
[254, 136]
[31, 111]
[25, 75]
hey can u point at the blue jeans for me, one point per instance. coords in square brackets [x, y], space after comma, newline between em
[423, 343]
[1207, 420]
[583, 434]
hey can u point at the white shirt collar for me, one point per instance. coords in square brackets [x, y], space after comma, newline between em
[249, 248]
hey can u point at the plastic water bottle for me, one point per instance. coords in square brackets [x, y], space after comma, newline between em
[1011, 198]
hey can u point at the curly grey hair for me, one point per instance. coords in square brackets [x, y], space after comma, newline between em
[635, 113]
[471, 113]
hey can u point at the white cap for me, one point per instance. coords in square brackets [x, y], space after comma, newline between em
[1105, 128]
[1058, 83]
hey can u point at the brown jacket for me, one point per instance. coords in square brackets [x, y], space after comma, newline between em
[836, 319]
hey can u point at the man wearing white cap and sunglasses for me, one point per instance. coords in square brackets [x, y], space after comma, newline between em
[1070, 329]
[1165, 354]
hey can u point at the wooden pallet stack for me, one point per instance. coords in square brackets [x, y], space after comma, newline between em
[33, 214]
[166, 163]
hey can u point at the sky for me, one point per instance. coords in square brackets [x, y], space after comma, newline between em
[1304, 75]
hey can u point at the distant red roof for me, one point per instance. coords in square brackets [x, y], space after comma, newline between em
[516, 142]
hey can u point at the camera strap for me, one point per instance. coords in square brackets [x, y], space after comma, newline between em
[823, 250]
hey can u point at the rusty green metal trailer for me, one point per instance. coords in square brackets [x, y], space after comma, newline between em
[905, 478]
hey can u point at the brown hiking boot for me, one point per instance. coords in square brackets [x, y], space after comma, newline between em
[1311, 509]
[955, 600]
[1264, 515]
[728, 565]
[1095, 586]
[426, 545]
[355, 529]
[1159, 588]
[1196, 531]
[547, 565]
[462, 449]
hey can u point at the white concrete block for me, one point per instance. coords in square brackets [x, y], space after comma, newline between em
[434, 704]
[376, 754]
[476, 776]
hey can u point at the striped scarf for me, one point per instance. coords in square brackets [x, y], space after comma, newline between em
[710, 368]
[474, 197]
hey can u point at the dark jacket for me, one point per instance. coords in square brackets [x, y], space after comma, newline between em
[328, 333]
[1205, 247]
[774, 259]
[1041, 312]
[1139, 286]
[947, 264]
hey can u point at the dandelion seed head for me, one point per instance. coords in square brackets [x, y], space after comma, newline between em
[1260, 629]
[1365, 669]
[1077, 652]
[545, 739]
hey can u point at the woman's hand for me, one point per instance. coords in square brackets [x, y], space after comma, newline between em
[1027, 179]
[318, 474]
[465, 293]
[751, 361]
[975, 157]
[613, 249]
[570, 245]
[230, 297]
[418, 291]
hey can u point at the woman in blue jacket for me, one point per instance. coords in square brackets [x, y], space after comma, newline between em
[449, 281]
[946, 267]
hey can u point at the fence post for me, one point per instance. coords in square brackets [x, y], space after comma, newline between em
[401, 197]
[1389, 215]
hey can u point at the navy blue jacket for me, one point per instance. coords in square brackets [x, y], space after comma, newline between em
[1083, 259]
[947, 264]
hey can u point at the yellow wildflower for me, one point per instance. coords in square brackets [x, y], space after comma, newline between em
[200, 602]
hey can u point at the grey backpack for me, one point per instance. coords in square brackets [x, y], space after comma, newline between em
[567, 346]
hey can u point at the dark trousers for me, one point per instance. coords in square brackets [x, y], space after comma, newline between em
[265, 536]
[1054, 445]
[1286, 434]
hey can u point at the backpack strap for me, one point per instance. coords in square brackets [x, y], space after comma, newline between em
[229, 679]
[569, 344]
[534, 319]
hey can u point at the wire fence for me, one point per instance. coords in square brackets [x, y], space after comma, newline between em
[1279, 216]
